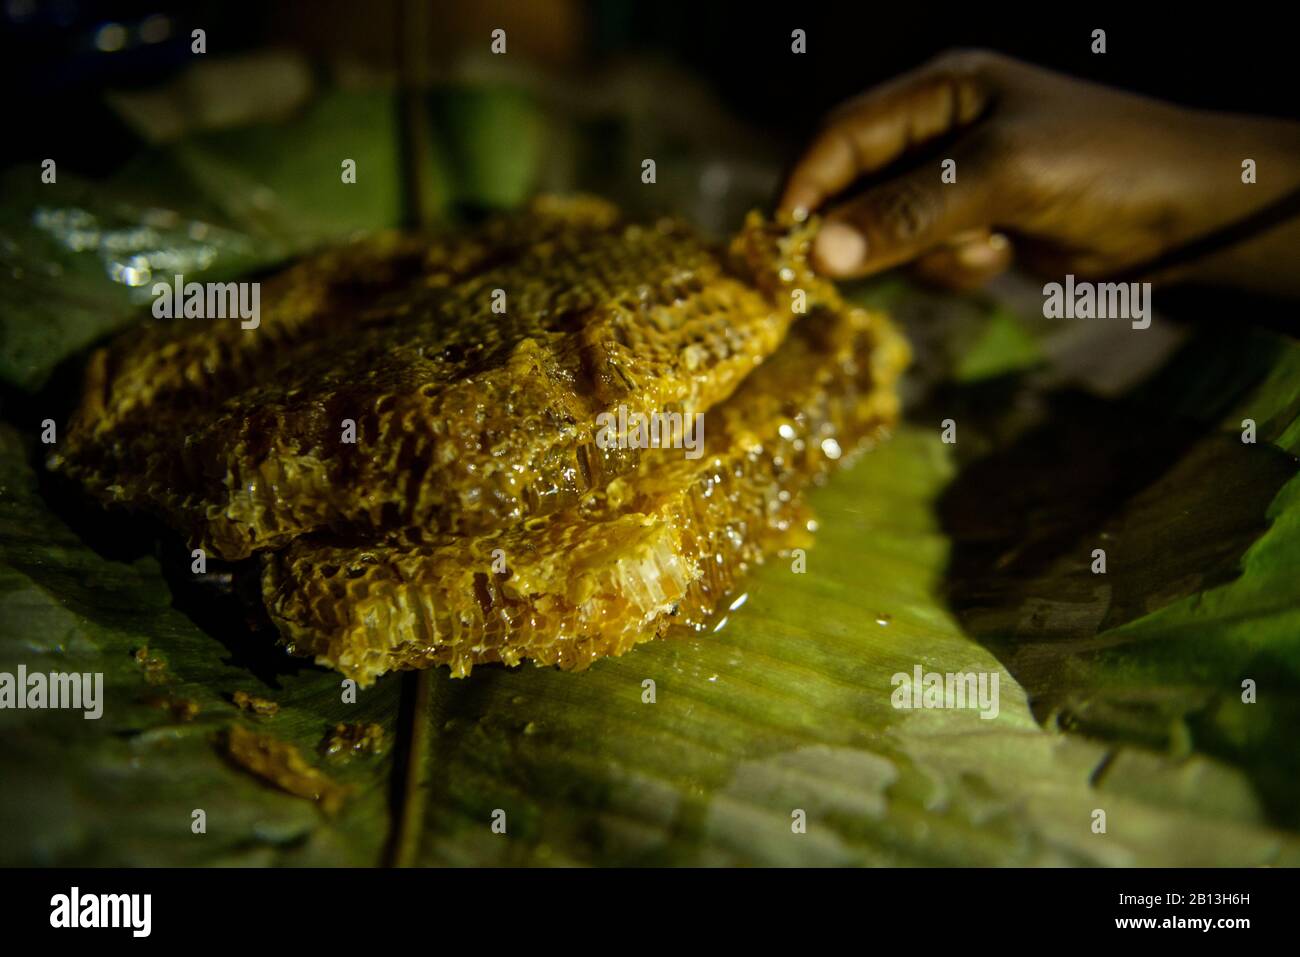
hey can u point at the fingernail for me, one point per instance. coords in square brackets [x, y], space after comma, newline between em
[978, 255]
[840, 248]
[988, 253]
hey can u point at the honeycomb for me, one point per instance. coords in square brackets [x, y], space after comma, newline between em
[476, 518]
[662, 548]
[465, 419]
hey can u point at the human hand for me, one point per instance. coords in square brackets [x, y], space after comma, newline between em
[1083, 178]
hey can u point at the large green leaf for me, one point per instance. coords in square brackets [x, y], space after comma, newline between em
[1119, 692]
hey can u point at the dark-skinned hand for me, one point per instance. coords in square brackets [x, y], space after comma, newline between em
[1069, 176]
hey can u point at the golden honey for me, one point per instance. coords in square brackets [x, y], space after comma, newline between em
[410, 438]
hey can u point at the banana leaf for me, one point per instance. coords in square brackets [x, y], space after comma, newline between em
[773, 740]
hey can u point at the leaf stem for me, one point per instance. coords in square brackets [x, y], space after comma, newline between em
[410, 771]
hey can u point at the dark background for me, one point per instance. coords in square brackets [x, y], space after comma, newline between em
[1221, 57]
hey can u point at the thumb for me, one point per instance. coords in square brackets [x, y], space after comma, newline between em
[899, 220]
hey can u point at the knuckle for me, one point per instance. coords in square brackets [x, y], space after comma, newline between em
[906, 212]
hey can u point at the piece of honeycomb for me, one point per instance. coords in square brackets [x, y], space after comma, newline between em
[476, 518]
[662, 547]
[465, 419]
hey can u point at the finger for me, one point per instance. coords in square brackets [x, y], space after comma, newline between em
[869, 133]
[899, 220]
[966, 261]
